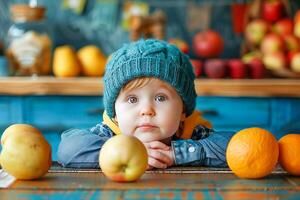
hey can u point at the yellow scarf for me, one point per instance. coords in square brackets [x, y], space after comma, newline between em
[189, 124]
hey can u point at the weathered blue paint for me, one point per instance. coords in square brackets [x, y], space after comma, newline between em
[55, 114]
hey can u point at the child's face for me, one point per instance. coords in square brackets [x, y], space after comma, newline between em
[150, 112]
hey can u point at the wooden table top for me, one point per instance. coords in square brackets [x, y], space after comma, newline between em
[173, 183]
[94, 86]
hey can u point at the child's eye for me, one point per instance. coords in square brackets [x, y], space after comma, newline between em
[132, 99]
[160, 98]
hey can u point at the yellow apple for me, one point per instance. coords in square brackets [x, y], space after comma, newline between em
[25, 152]
[275, 61]
[295, 63]
[65, 62]
[92, 60]
[123, 158]
[15, 129]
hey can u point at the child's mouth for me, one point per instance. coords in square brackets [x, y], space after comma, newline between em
[147, 127]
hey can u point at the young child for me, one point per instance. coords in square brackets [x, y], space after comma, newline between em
[149, 93]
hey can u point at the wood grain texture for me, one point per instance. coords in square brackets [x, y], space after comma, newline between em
[94, 86]
[93, 185]
[172, 183]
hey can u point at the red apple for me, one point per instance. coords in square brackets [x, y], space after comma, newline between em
[272, 43]
[275, 60]
[197, 65]
[256, 30]
[284, 26]
[123, 158]
[291, 42]
[215, 68]
[272, 10]
[208, 44]
[295, 63]
[256, 69]
[237, 69]
[181, 44]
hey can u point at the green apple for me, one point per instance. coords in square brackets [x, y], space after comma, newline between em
[256, 30]
[252, 55]
[291, 42]
[123, 158]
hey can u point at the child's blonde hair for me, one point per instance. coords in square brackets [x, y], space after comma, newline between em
[137, 83]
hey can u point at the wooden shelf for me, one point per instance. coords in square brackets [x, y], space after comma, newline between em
[94, 86]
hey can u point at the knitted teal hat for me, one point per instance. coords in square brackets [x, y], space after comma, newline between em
[149, 58]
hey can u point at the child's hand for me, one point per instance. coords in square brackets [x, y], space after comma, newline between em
[160, 155]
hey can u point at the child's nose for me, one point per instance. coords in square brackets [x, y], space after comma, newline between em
[148, 111]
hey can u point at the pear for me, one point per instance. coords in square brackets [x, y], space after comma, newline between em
[65, 62]
[25, 154]
[92, 60]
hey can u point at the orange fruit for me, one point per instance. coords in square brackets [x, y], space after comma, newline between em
[289, 151]
[252, 153]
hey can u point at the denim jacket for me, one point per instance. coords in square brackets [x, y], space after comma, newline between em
[79, 148]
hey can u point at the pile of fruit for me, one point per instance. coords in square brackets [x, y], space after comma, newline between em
[87, 61]
[273, 38]
[208, 45]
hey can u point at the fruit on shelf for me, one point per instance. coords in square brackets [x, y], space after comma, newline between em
[92, 60]
[275, 61]
[215, 68]
[256, 30]
[208, 44]
[297, 24]
[197, 65]
[237, 69]
[290, 55]
[181, 44]
[256, 69]
[65, 62]
[123, 158]
[272, 43]
[248, 57]
[272, 10]
[25, 154]
[291, 42]
[284, 27]
[297, 16]
[297, 29]
[295, 63]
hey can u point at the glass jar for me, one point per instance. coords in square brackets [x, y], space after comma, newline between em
[28, 41]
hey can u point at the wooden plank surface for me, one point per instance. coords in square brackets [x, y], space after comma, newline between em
[94, 86]
[174, 183]
[93, 185]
